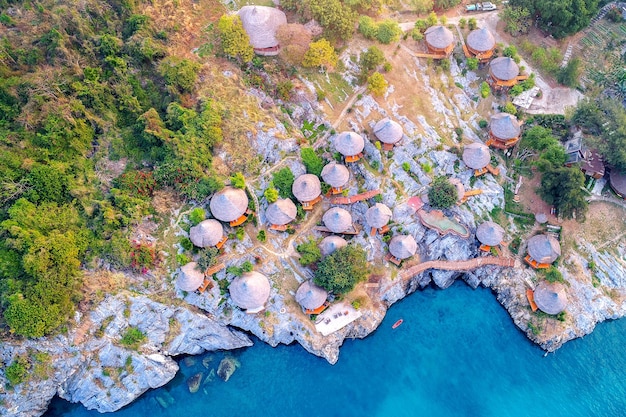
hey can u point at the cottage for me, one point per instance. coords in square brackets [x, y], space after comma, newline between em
[330, 244]
[550, 297]
[481, 44]
[208, 233]
[388, 133]
[504, 72]
[377, 218]
[280, 213]
[190, 278]
[439, 40]
[307, 189]
[490, 235]
[542, 251]
[230, 205]
[311, 298]
[250, 291]
[617, 180]
[261, 24]
[477, 157]
[401, 247]
[337, 220]
[504, 131]
[335, 175]
[350, 145]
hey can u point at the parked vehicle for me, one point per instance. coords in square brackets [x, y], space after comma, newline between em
[480, 7]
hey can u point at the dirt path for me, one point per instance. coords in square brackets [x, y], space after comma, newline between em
[322, 140]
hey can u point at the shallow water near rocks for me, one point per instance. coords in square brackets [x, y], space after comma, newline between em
[457, 353]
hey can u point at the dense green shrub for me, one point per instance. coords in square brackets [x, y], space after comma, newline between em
[309, 252]
[196, 215]
[17, 371]
[312, 161]
[283, 180]
[340, 271]
[442, 194]
[133, 338]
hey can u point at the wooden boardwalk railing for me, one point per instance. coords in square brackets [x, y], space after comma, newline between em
[354, 198]
[466, 265]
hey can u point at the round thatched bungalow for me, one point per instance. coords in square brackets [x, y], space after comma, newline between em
[476, 156]
[337, 220]
[388, 132]
[335, 175]
[490, 234]
[330, 244]
[439, 40]
[550, 297]
[261, 24]
[307, 189]
[481, 43]
[281, 212]
[189, 277]
[310, 296]
[229, 204]
[617, 180]
[350, 145]
[207, 233]
[541, 218]
[402, 246]
[378, 216]
[503, 72]
[250, 291]
[543, 250]
[504, 130]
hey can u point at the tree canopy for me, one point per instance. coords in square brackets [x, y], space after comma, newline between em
[558, 17]
[442, 193]
[340, 271]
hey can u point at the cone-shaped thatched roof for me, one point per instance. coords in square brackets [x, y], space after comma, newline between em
[402, 246]
[337, 220]
[261, 23]
[504, 68]
[550, 298]
[476, 155]
[335, 175]
[229, 204]
[250, 291]
[504, 126]
[481, 40]
[189, 277]
[281, 212]
[618, 181]
[439, 37]
[306, 187]
[330, 244]
[388, 131]
[206, 233]
[310, 296]
[349, 143]
[544, 248]
[490, 233]
[541, 218]
[378, 215]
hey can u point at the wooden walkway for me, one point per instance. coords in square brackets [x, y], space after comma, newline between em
[466, 265]
[354, 198]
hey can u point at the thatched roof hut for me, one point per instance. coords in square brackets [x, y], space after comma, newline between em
[229, 204]
[541, 218]
[330, 244]
[261, 24]
[490, 233]
[402, 246]
[250, 291]
[503, 68]
[617, 180]
[550, 297]
[439, 38]
[388, 131]
[207, 233]
[378, 215]
[281, 212]
[337, 220]
[349, 143]
[504, 126]
[306, 187]
[480, 41]
[335, 175]
[189, 277]
[310, 296]
[544, 248]
[476, 155]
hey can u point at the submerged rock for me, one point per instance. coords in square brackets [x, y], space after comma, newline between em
[193, 382]
[227, 367]
[189, 361]
[206, 361]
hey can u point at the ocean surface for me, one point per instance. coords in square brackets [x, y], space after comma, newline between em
[457, 354]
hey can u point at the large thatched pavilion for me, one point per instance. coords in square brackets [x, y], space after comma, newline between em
[337, 220]
[550, 297]
[490, 235]
[439, 40]
[401, 247]
[311, 298]
[335, 175]
[250, 291]
[542, 251]
[377, 218]
[208, 233]
[230, 205]
[280, 213]
[350, 145]
[261, 24]
[504, 72]
[190, 278]
[481, 44]
[331, 243]
[504, 131]
[477, 157]
[307, 189]
[617, 180]
[388, 133]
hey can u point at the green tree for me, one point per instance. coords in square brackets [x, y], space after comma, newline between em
[570, 74]
[271, 195]
[235, 41]
[472, 64]
[283, 180]
[196, 216]
[431, 20]
[340, 271]
[376, 84]
[320, 54]
[238, 180]
[485, 90]
[180, 73]
[367, 27]
[313, 163]
[509, 108]
[563, 188]
[517, 20]
[471, 23]
[388, 31]
[309, 252]
[371, 59]
[442, 193]
[336, 17]
[421, 6]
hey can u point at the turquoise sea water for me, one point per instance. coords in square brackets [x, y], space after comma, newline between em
[456, 354]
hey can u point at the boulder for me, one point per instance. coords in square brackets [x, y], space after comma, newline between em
[194, 381]
[227, 368]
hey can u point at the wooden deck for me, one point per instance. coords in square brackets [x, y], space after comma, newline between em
[353, 230]
[467, 265]
[308, 205]
[354, 198]
[530, 295]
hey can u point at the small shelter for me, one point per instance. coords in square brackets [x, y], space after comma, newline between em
[377, 217]
[388, 133]
[550, 297]
[208, 233]
[330, 244]
[335, 175]
[280, 213]
[311, 298]
[439, 40]
[261, 24]
[350, 145]
[504, 72]
[337, 220]
[617, 180]
[489, 234]
[307, 189]
[504, 131]
[481, 44]
[190, 278]
[230, 205]
[250, 291]
[477, 157]
[542, 251]
[401, 247]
